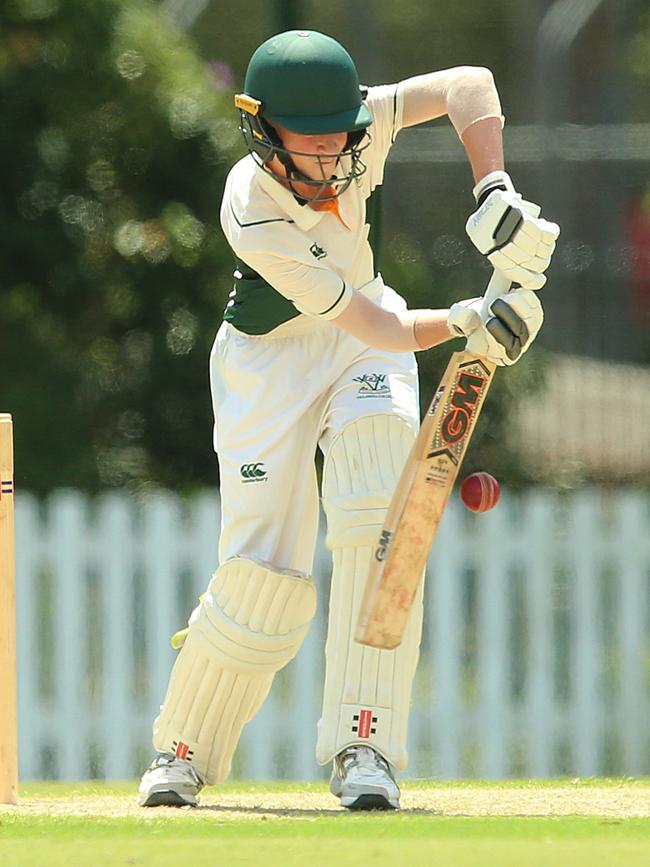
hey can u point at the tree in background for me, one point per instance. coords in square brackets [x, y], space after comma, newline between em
[113, 269]
[114, 145]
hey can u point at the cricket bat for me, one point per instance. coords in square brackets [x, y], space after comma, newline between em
[399, 559]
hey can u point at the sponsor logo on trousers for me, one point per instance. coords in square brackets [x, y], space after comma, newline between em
[373, 385]
[254, 472]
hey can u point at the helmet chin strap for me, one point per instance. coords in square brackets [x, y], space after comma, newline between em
[295, 176]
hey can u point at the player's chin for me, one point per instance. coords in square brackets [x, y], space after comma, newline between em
[317, 172]
[326, 167]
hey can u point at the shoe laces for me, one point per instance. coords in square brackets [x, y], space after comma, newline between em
[363, 757]
[166, 759]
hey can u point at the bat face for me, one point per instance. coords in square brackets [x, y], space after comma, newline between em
[419, 500]
[449, 437]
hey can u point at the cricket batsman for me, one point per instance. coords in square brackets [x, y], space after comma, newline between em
[315, 351]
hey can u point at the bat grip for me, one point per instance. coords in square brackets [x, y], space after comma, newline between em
[497, 286]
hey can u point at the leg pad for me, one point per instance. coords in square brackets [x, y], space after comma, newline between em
[367, 691]
[250, 624]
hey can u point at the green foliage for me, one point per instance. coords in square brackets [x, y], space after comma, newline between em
[113, 270]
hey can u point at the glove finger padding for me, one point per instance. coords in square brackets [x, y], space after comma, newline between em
[543, 230]
[514, 238]
[515, 273]
[508, 328]
[515, 322]
[530, 246]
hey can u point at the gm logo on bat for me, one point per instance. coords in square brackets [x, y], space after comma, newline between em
[382, 549]
[463, 400]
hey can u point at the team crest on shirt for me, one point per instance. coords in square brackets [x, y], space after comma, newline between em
[317, 251]
[373, 385]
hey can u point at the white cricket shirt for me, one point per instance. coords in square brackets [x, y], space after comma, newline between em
[294, 261]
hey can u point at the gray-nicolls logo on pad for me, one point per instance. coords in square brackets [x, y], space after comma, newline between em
[364, 723]
[373, 385]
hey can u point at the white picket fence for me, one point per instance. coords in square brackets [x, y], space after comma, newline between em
[535, 659]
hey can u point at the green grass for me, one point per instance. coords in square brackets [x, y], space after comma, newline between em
[301, 837]
[60, 789]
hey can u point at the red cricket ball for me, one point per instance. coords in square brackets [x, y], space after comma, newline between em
[480, 492]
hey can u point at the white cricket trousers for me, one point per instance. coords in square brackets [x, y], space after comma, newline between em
[276, 399]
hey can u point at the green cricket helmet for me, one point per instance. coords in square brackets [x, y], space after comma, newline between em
[306, 82]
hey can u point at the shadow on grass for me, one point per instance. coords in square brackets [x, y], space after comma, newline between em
[309, 812]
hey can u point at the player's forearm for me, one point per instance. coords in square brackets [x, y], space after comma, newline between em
[390, 330]
[411, 330]
[483, 143]
[430, 328]
[468, 95]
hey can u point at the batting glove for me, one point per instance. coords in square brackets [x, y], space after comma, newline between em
[508, 230]
[504, 330]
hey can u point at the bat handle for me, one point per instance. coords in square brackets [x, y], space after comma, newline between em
[497, 286]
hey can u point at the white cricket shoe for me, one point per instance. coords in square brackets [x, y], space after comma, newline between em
[363, 780]
[169, 782]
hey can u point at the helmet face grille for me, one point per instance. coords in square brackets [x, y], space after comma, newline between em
[263, 143]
